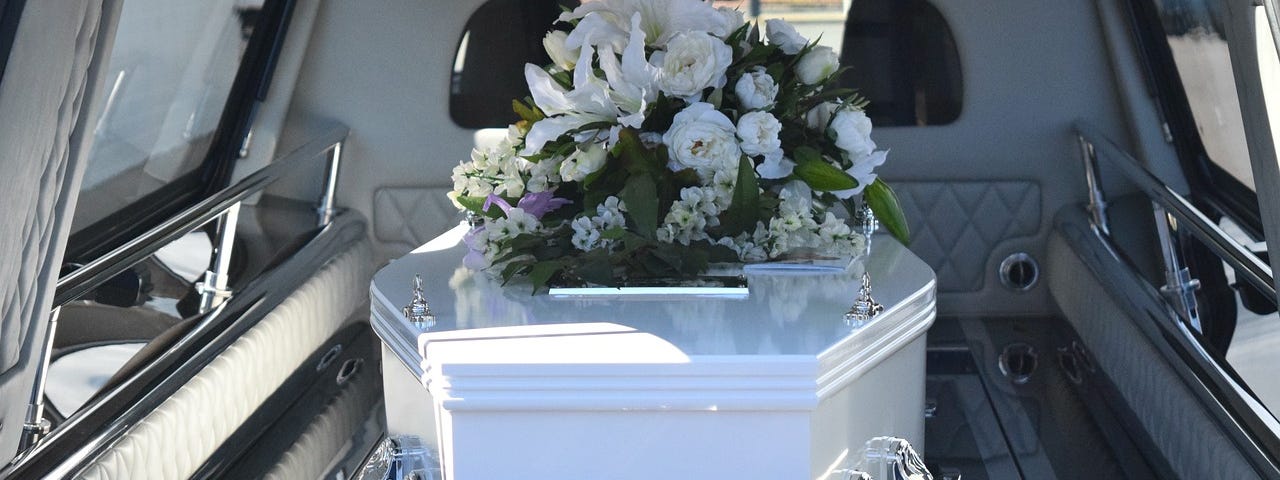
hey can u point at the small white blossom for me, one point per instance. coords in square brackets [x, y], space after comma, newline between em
[816, 65]
[756, 89]
[586, 236]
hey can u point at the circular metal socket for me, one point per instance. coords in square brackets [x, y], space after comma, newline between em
[1019, 272]
[1018, 361]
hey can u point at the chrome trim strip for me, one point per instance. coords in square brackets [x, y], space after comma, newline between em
[1246, 264]
[1254, 430]
[82, 280]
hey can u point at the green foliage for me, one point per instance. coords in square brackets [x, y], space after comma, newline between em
[476, 204]
[884, 203]
[641, 197]
[818, 173]
[745, 208]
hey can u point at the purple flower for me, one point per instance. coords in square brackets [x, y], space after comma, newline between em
[541, 203]
[475, 250]
[536, 204]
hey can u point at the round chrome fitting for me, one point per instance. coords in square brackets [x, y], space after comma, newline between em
[1019, 272]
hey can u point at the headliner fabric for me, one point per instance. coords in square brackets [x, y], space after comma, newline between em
[41, 98]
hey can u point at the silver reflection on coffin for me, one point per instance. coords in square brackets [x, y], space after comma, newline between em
[864, 307]
[418, 312]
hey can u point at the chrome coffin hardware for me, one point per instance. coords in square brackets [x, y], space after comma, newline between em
[401, 458]
[864, 307]
[887, 458]
[418, 312]
[866, 219]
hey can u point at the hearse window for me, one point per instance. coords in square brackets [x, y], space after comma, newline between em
[500, 37]
[1203, 108]
[900, 53]
[168, 81]
[904, 60]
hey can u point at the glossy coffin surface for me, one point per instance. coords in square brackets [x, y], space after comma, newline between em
[774, 385]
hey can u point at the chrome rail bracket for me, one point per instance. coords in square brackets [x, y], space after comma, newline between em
[325, 210]
[35, 426]
[1097, 202]
[213, 290]
[1179, 287]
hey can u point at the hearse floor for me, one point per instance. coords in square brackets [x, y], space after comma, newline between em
[1013, 398]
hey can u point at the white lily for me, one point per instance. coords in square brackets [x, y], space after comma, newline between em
[660, 20]
[863, 170]
[588, 102]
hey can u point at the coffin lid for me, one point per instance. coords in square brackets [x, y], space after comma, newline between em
[780, 348]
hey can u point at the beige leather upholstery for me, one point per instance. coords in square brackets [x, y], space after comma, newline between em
[312, 455]
[175, 439]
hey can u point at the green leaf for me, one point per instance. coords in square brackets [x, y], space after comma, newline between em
[542, 272]
[884, 203]
[819, 174]
[476, 204]
[641, 196]
[527, 112]
[745, 208]
[613, 233]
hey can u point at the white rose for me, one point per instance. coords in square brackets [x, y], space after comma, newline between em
[561, 55]
[759, 133]
[852, 131]
[692, 62]
[820, 116]
[756, 89]
[582, 163]
[817, 65]
[733, 20]
[703, 139]
[785, 36]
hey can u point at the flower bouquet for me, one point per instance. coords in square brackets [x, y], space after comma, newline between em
[667, 135]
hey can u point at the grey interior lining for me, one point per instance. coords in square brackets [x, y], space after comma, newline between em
[50, 76]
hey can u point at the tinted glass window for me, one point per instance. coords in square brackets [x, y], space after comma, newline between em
[1197, 38]
[501, 36]
[900, 53]
[168, 79]
[904, 61]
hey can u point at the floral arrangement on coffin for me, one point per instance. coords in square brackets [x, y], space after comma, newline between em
[668, 135]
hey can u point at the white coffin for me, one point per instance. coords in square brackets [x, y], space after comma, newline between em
[774, 386]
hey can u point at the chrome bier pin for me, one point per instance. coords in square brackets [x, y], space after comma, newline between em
[418, 311]
[864, 307]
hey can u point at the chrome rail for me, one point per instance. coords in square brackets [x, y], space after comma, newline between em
[92, 274]
[1184, 216]
[224, 207]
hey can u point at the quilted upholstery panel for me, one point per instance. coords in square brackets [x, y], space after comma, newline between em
[956, 226]
[44, 87]
[310, 456]
[175, 439]
[408, 217]
[1174, 420]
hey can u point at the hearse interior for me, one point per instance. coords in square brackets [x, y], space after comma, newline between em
[196, 195]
